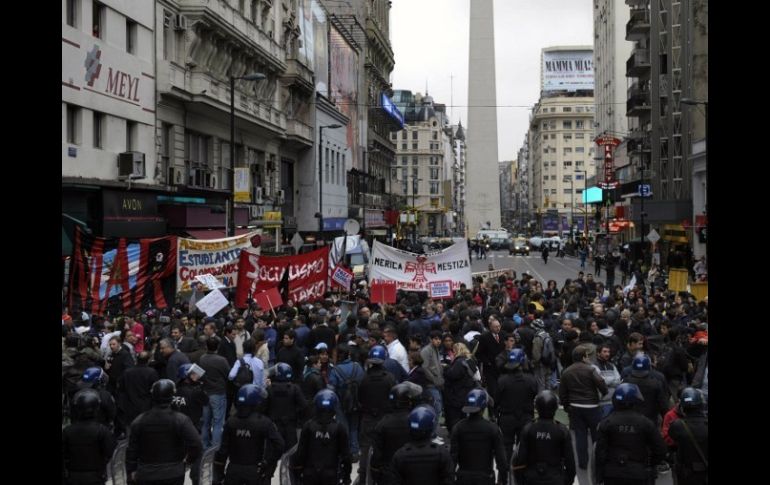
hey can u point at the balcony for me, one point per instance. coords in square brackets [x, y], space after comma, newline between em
[638, 101]
[638, 146]
[299, 76]
[638, 26]
[299, 133]
[638, 63]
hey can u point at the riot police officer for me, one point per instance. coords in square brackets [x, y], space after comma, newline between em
[545, 454]
[190, 398]
[251, 442]
[323, 451]
[284, 401]
[629, 444]
[373, 395]
[392, 432]
[691, 436]
[421, 461]
[475, 442]
[87, 445]
[95, 378]
[161, 441]
[655, 402]
[515, 399]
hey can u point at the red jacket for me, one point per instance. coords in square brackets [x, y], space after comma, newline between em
[700, 334]
[671, 416]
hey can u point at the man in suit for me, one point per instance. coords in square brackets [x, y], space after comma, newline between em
[490, 345]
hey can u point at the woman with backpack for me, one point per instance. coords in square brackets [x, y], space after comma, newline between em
[461, 376]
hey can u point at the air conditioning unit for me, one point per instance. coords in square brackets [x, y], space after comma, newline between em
[131, 165]
[180, 22]
[256, 211]
[178, 177]
[213, 182]
[258, 195]
[280, 196]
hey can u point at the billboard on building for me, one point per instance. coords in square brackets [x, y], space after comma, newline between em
[568, 70]
[306, 49]
[343, 82]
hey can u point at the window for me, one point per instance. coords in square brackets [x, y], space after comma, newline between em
[339, 168]
[403, 135]
[553, 137]
[72, 13]
[242, 7]
[567, 109]
[73, 124]
[567, 137]
[415, 160]
[254, 11]
[552, 125]
[393, 136]
[580, 149]
[545, 150]
[434, 173]
[545, 166]
[131, 134]
[579, 136]
[434, 187]
[98, 129]
[98, 20]
[435, 135]
[567, 150]
[434, 160]
[414, 135]
[403, 174]
[553, 163]
[545, 125]
[414, 146]
[553, 191]
[344, 171]
[579, 124]
[579, 163]
[197, 149]
[434, 201]
[403, 146]
[567, 125]
[414, 171]
[579, 176]
[404, 186]
[131, 32]
[394, 173]
[166, 137]
[326, 166]
[168, 34]
[567, 164]
[579, 109]
[553, 110]
[553, 177]
[404, 160]
[545, 179]
[568, 191]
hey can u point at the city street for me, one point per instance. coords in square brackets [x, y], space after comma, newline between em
[557, 269]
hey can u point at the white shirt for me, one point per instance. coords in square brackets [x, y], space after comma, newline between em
[397, 352]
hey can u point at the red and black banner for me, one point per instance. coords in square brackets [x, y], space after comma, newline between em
[117, 274]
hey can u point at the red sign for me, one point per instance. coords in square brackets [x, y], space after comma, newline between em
[307, 275]
[342, 277]
[269, 299]
[609, 143]
[383, 292]
[607, 140]
[701, 220]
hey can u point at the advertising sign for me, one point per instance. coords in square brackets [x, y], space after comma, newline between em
[568, 70]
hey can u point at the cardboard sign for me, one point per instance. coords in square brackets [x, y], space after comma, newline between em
[342, 277]
[211, 282]
[440, 290]
[383, 292]
[269, 299]
[212, 303]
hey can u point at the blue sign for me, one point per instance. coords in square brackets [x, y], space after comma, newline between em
[334, 223]
[391, 109]
[592, 195]
[644, 190]
[72, 151]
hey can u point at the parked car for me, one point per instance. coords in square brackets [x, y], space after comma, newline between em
[519, 246]
[497, 243]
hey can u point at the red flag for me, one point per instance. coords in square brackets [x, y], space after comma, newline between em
[383, 292]
[269, 299]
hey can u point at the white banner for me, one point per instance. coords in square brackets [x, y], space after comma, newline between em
[218, 257]
[212, 303]
[413, 272]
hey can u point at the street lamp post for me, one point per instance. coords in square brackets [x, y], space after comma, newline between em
[230, 228]
[321, 175]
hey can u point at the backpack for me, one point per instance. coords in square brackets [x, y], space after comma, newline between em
[349, 396]
[244, 375]
[548, 355]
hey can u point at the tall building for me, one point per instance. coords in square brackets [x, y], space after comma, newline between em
[482, 206]
[662, 72]
[523, 219]
[697, 117]
[507, 180]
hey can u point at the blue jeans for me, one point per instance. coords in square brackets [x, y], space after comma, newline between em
[582, 421]
[438, 403]
[216, 411]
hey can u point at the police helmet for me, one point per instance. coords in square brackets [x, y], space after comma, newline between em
[626, 396]
[422, 422]
[475, 401]
[516, 358]
[94, 376]
[325, 400]
[546, 403]
[405, 395]
[377, 354]
[249, 395]
[283, 372]
[163, 391]
[691, 400]
[183, 371]
[86, 403]
[640, 365]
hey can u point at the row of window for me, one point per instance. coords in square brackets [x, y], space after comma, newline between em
[334, 167]
[416, 159]
[566, 150]
[566, 163]
[567, 125]
[433, 146]
[99, 22]
[394, 135]
[568, 109]
[567, 177]
[74, 127]
[434, 187]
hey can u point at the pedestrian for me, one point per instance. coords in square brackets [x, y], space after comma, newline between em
[628, 444]
[250, 441]
[583, 254]
[134, 388]
[87, 445]
[544, 253]
[475, 443]
[161, 441]
[459, 379]
[421, 461]
[214, 385]
[545, 454]
[516, 392]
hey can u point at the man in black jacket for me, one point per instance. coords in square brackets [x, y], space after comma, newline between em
[214, 385]
[134, 388]
[161, 441]
[490, 345]
[290, 354]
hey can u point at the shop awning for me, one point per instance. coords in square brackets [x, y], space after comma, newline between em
[213, 233]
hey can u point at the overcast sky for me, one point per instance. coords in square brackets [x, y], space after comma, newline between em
[430, 44]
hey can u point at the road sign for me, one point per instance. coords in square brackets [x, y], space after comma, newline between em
[644, 190]
[296, 242]
[653, 236]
